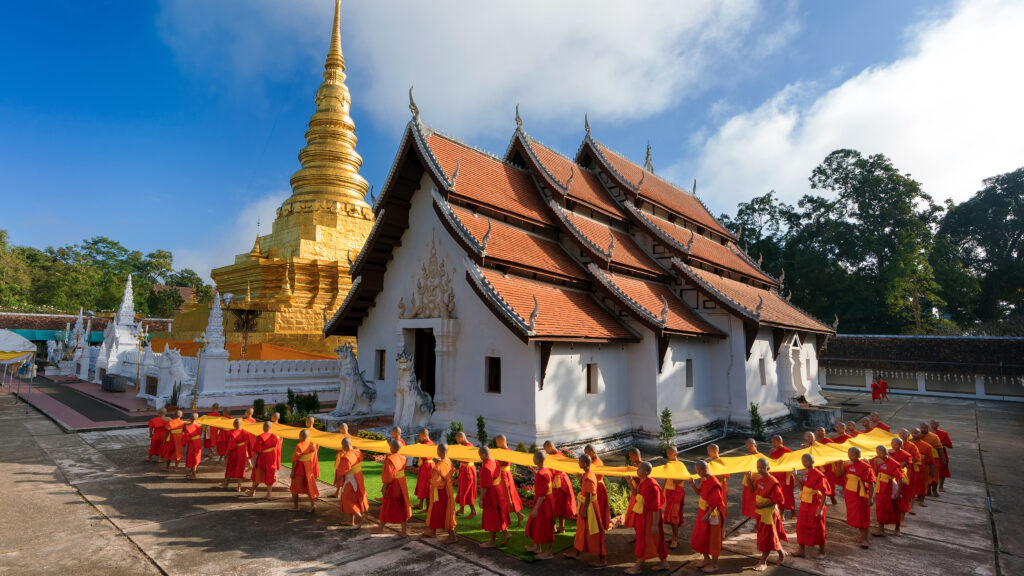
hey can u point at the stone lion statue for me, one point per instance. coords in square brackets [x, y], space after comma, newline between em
[356, 395]
[413, 406]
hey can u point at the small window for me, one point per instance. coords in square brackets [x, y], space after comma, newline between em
[764, 374]
[592, 378]
[380, 363]
[492, 374]
[689, 373]
[808, 367]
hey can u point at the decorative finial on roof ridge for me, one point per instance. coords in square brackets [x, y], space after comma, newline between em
[373, 198]
[835, 323]
[641, 182]
[611, 246]
[455, 174]
[532, 322]
[664, 309]
[413, 107]
[586, 123]
[348, 257]
[782, 277]
[690, 243]
[789, 296]
[694, 186]
[648, 165]
[760, 257]
[519, 119]
[487, 237]
[572, 174]
[760, 306]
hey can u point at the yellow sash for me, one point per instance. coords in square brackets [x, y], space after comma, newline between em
[745, 482]
[638, 505]
[702, 504]
[592, 526]
[883, 479]
[497, 480]
[240, 444]
[357, 469]
[399, 474]
[557, 482]
[265, 450]
[176, 430]
[807, 494]
[506, 468]
[306, 457]
[767, 514]
[854, 484]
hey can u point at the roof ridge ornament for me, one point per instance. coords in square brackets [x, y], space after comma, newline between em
[519, 119]
[760, 306]
[689, 244]
[759, 258]
[611, 246]
[586, 123]
[641, 182]
[664, 309]
[782, 277]
[413, 108]
[532, 322]
[648, 165]
[789, 296]
[486, 238]
[835, 323]
[694, 186]
[455, 175]
[572, 174]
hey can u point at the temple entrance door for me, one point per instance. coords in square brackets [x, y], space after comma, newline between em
[425, 359]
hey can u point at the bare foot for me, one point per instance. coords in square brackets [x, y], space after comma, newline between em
[544, 556]
[661, 567]
[709, 569]
[633, 570]
[759, 567]
[673, 544]
[487, 544]
[781, 558]
[471, 515]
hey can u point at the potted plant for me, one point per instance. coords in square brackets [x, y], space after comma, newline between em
[172, 402]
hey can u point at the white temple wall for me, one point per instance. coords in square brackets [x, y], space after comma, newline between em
[809, 355]
[691, 402]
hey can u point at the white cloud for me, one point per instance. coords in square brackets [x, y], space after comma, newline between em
[949, 113]
[232, 240]
[471, 62]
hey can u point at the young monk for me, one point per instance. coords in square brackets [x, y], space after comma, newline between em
[913, 470]
[441, 512]
[859, 494]
[937, 458]
[675, 497]
[828, 470]
[353, 495]
[193, 436]
[747, 507]
[339, 476]
[724, 479]
[264, 460]
[876, 422]
[466, 495]
[157, 434]
[707, 526]
[786, 483]
[249, 436]
[768, 499]
[650, 531]
[590, 523]
[876, 393]
[174, 442]
[883, 389]
[947, 444]
[540, 527]
[563, 499]
[602, 490]
[810, 522]
[633, 460]
[906, 462]
[493, 504]
[394, 505]
[426, 465]
[238, 456]
[210, 433]
[396, 435]
[927, 466]
[887, 491]
[305, 469]
[508, 485]
[222, 437]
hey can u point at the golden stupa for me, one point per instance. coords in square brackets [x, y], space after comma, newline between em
[299, 271]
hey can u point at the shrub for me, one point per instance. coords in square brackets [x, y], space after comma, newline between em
[525, 492]
[618, 498]
[175, 393]
[756, 423]
[533, 448]
[371, 435]
[521, 447]
[453, 429]
[481, 430]
[668, 431]
[282, 409]
[291, 401]
[259, 407]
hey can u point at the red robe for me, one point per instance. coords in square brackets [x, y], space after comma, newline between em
[540, 528]
[210, 433]
[830, 471]
[221, 440]
[602, 492]
[675, 499]
[441, 511]
[193, 437]
[174, 442]
[906, 462]
[422, 490]
[563, 497]
[467, 483]
[707, 535]
[887, 508]
[238, 453]
[883, 388]
[353, 492]
[929, 464]
[876, 391]
[747, 507]
[590, 530]
[947, 442]
[881, 425]
[249, 436]
[857, 476]
[157, 433]
[305, 469]
[650, 536]
[770, 532]
[786, 482]
[265, 449]
[508, 486]
[394, 505]
[913, 470]
[493, 503]
[810, 530]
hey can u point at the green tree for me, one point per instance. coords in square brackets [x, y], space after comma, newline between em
[667, 435]
[15, 278]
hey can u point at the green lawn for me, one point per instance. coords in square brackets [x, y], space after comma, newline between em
[469, 528]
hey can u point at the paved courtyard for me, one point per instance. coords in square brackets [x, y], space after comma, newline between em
[88, 503]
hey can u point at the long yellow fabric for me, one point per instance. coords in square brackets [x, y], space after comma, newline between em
[766, 514]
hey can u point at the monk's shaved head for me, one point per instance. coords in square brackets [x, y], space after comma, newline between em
[762, 466]
[589, 450]
[897, 444]
[215, 406]
[881, 451]
[394, 446]
[851, 425]
[584, 462]
[309, 421]
[643, 469]
[751, 445]
[538, 458]
[396, 432]
[934, 424]
[238, 423]
[713, 450]
[819, 432]
[227, 412]
[809, 437]
[179, 414]
[853, 453]
[346, 444]
[343, 427]
[267, 426]
[634, 456]
[248, 412]
[915, 434]
[808, 461]
[701, 467]
[442, 450]
[776, 441]
[460, 437]
[275, 417]
[484, 452]
[304, 434]
[195, 416]
[162, 411]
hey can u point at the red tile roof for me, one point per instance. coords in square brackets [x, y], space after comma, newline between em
[561, 312]
[585, 187]
[708, 250]
[511, 244]
[626, 251]
[652, 296]
[487, 180]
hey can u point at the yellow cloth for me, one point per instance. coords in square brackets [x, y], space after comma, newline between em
[807, 494]
[638, 505]
[854, 484]
[592, 526]
[702, 504]
[766, 514]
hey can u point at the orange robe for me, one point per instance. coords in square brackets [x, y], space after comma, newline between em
[883, 426]
[590, 530]
[602, 493]
[906, 462]
[707, 535]
[467, 482]
[883, 388]
[913, 470]
[747, 507]
[210, 433]
[540, 528]
[353, 493]
[675, 499]
[927, 466]
[423, 477]
[441, 511]
[563, 497]
[886, 506]
[947, 442]
[770, 532]
[305, 469]
[857, 476]
[786, 482]
[395, 507]
[810, 530]
[937, 452]
[238, 454]
[876, 391]
[265, 448]
[830, 472]
[157, 434]
[221, 440]
[174, 442]
[632, 482]
[193, 437]
[249, 436]
[493, 503]
[650, 538]
[508, 486]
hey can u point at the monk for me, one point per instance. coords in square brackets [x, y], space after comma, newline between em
[883, 389]
[887, 491]
[810, 522]
[865, 426]
[353, 495]
[859, 494]
[426, 465]
[707, 526]
[274, 419]
[493, 504]
[633, 460]
[786, 483]
[675, 497]
[339, 477]
[157, 435]
[876, 422]
[508, 485]
[305, 469]
[222, 437]
[602, 490]
[938, 457]
[441, 511]
[563, 499]
[650, 531]
[851, 429]
[947, 444]
[265, 462]
[770, 531]
[913, 470]
[396, 435]
[238, 456]
[724, 479]
[540, 526]
[906, 462]
[193, 436]
[210, 433]
[174, 443]
[394, 505]
[828, 469]
[343, 430]
[840, 435]
[590, 522]
[927, 466]
[467, 482]
[747, 507]
[876, 393]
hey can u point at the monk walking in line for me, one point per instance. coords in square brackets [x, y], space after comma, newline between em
[353, 496]
[222, 437]
[441, 511]
[810, 521]
[906, 462]
[305, 469]
[563, 499]
[174, 443]
[927, 466]
[876, 422]
[724, 479]
[193, 437]
[851, 429]
[265, 462]
[157, 435]
[602, 490]
[887, 491]
[466, 495]
[707, 526]
[396, 435]
[540, 527]
[786, 482]
[675, 497]
[633, 460]
[426, 467]
[937, 458]
[238, 456]
[210, 433]
[828, 469]
[590, 522]
[859, 494]
[747, 507]
[493, 504]
[650, 531]
[770, 532]
[395, 507]
[947, 444]
[508, 484]
[913, 470]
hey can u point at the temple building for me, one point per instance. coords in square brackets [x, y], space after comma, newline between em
[292, 277]
[567, 298]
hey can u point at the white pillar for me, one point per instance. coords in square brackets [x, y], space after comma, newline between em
[979, 385]
[869, 376]
[922, 386]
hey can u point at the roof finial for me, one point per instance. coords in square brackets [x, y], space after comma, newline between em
[487, 237]
[648, 165]
[664, 309]
[348, 258]
[760, 306]
[611, 246]
[455, 174]
[690, 243]
[586, 123]
[835, 323]
[782, 277]
[572, 174]
[759, 258]
[373, 198]
[641, 182]
[533, 315]
[789, 296]
[694, 186]
[413, 108]
[519, 119]
[335, 60]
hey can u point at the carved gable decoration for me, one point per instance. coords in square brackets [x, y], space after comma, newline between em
[434, 296]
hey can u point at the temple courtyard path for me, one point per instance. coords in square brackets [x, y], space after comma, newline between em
[88, 503]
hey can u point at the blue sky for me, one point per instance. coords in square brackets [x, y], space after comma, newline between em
[175, 124]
